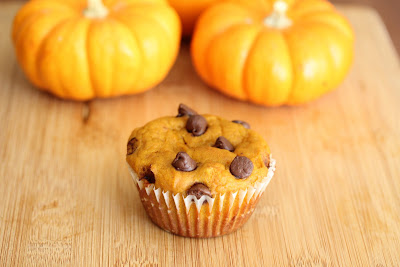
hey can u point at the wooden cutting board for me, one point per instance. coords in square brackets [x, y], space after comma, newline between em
[66, 196]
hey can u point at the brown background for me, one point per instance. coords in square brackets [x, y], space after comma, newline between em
[388, 9]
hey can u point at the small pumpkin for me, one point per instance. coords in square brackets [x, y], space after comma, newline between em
[273, 52]
[80, 49]
[189, 11]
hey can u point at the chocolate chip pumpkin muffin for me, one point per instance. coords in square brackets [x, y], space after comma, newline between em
[199, 175]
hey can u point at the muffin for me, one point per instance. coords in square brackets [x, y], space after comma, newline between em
[199, 175]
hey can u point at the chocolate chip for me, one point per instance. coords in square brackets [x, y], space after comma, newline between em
[197, 125]
[224, 143]
[149, 176]
[183, 162]
[198, 190]
[241, 167]
[245, 124]
[185, 110]
[132, 146]
[266, 161]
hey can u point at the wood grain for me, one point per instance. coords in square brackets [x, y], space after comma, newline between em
[67, 198]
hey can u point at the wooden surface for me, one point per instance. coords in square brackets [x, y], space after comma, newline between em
[67, 198]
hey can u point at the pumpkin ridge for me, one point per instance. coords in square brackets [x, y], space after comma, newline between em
[207, 70]
[64, 92]
[201, 63]
[32, 11]
[297, 14]
[38, 57]
[324, 6]
[330, 63]
[143, 16]
[246, 62]
[63, 4]
[338, 29]
[88, 68]
[67, 90]
[90, 72]
[224, 30]
[270, 94]
[165, 37]
[132, 5]
[24, 26]
[131, 10]
[37, 7]
[135, 37]
[289, 49]
[331, 58]
[18, 37]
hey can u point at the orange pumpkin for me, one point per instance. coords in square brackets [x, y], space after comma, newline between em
[273, 52]
[189, 11]
[80, 49]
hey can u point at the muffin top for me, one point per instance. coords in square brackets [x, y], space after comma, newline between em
[198, 154]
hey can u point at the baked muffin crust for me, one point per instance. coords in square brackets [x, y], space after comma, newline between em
[153, 147]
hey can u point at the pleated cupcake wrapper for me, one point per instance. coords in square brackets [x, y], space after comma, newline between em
[174, 212]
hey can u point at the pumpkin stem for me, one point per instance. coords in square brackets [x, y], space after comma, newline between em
[95, 9]
[278, 19]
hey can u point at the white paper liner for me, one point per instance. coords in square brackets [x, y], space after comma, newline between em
[172, 202]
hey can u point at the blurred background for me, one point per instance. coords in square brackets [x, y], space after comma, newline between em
[388, 10]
